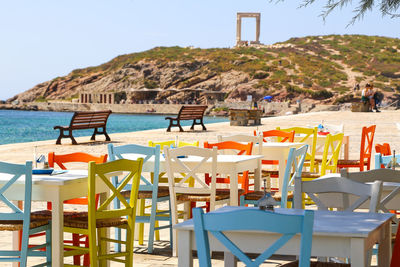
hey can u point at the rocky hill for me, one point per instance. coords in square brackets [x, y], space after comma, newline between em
[322, 68]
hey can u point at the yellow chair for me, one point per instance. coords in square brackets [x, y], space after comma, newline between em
[98, 220]
[310, 138]
[161, 180]
[329, 160]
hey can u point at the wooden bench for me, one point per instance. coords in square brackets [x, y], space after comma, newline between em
[188, 113]
[85, 120]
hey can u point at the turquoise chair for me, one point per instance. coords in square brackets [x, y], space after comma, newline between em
[295, 159]
[22, 218]
[147, 189]
[385, 160]
[252, 219]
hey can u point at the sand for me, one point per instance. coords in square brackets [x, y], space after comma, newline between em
[386, 131]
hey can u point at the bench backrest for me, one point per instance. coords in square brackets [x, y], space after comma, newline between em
[89, 119]
[191, 112]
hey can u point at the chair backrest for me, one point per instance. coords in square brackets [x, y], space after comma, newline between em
[281, 135]
[330, 156]
[100, 173]
[367, 139]
[177, 167]
[252, 219]
[173, 143]
[60, 160]
[383, 149]
[383, 175]
[145, 152]
[293, 169]
[236, 147]
[310, 137]
[243, 138]
[15, 172]
[385, 161]
[316, 189]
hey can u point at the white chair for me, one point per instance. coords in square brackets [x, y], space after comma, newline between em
[180, 171]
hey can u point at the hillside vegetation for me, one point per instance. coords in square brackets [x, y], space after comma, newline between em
[322, 68]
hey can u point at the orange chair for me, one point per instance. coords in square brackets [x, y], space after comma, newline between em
[60, 160]
[383, 149]
[240, 149]
[367, 138]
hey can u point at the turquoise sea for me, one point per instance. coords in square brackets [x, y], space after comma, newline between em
[18, 126]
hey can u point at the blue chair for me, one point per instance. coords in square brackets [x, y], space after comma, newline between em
[294, 167]
[147, 190]
[385, 160]
[252, 219]
[18, 219]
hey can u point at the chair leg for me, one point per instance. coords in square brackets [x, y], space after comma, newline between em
[48, 246]
[75, 242]
[157, 232]
[129, 245]
[152, 226]
[86, 258]
[141, 225]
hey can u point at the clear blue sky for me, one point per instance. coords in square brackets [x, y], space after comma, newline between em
[43, 39]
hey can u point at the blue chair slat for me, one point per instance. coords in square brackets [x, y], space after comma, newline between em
[22, 171]
[385, 160]
[146, 152]
[219, 222]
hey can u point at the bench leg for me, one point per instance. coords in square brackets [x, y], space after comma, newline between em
[202, 124]
[179, 125]
[58, 142]
[194, 122]
[106, 135]
[93, 138]
[72, 138]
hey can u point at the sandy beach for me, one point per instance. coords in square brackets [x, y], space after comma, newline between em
[386, 131]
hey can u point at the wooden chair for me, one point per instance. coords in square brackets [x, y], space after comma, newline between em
[383, 149]
[395, 262]
[280, 135]
[181, 192]
[99, 219]
[310, 138]
[367, 138]
[149, 189]
[252, 219]
[60, 161]
[294, 167]
[238, 149]
[382, 162]
[316, 189]
[12, 218]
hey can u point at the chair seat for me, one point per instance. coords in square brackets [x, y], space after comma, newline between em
[163, 191]
[221, 194]
[17, 225]
[272, 173]
[82, 222]
[310, 175]
[355, 162]
[46, 214]
[317, 264]
[256, 195]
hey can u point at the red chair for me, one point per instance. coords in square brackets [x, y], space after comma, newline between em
[60, 160]
[281, 135]
[396, 251]
[383, 149]
[240, 149]
[367, 138]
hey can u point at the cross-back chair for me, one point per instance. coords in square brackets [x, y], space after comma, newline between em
[235, 148]
[309, 137]
[294, 167]
[99, 219]
[148, 189]
[316, 190]
[181, 192]
[367, 139]
[252, 219]
[15, 219]
[383, 149]
[281, 136]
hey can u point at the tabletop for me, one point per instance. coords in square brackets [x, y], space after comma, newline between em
[57, 178]
[335, 223]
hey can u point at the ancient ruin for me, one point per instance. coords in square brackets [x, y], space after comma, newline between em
[239, 41]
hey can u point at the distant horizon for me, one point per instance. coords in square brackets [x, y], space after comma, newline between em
[45, 40]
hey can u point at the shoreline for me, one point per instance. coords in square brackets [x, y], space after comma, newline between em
[386, 132]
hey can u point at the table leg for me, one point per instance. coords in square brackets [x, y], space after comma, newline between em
[57, 233]
[385, 245]
[185, 258]
[229, 260]
[257, 176]
[346, 144]
[358, 252]
[281, 167]
[233, 188]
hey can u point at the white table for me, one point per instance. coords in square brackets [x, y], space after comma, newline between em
[226, 164]
[55, 189]
[336, 234]
[279, 151]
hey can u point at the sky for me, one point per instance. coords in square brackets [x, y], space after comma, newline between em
[44, 39]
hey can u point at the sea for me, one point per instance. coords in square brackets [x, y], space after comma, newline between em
[17, 126]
